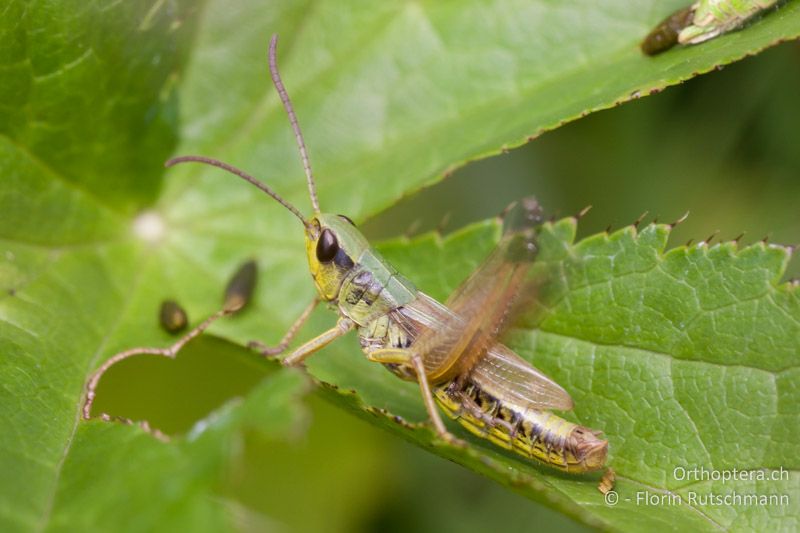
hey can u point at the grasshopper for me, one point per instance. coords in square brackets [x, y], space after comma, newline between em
[451, 350]
[702, 21]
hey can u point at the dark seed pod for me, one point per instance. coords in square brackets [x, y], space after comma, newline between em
[665, 35]
[172, 316]
[240, 288]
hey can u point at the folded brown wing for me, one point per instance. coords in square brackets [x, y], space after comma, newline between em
[479, 310]
[505, 375]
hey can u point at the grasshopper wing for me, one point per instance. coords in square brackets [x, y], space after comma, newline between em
[456, 336]
[500, 371]
[506, 375]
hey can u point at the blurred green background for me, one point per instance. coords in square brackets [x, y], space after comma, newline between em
[724, 146]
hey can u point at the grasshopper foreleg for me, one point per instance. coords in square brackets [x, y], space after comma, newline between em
[268, 351]
[317, 343]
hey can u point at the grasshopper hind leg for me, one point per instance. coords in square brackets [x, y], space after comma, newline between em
[395, 356]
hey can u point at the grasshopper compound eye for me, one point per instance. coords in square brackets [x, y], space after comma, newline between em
[327, 246]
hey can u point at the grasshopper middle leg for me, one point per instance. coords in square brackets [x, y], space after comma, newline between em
[317, 343]
[412, 359]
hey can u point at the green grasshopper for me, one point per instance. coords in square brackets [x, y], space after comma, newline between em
[451, 350]
[702, 21]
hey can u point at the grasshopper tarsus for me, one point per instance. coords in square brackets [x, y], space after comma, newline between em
[451, 440]
[266, 351]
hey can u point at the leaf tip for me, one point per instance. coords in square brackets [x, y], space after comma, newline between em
[412, 229]
[445, 220]
[580, 214]
[679, 221]
[708, 239]
[639, 219]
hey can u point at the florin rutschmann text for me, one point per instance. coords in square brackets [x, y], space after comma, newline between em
[717, 496]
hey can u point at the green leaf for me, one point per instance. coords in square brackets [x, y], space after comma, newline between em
[391, 96]
[402, 93]
[686, 359]
[88, 92]
[168, 484]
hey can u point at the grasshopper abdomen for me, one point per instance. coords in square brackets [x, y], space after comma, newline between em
[529, 432]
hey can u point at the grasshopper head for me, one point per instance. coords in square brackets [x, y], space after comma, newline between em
[333, 247]
[589, 449]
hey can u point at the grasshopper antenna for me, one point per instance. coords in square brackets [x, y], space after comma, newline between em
[287, 105]
[242, 174]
